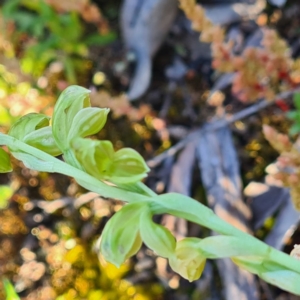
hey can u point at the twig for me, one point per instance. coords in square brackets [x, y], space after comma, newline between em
[214, 125]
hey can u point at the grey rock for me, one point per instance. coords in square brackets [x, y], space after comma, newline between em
[145, 24]
[278, 3]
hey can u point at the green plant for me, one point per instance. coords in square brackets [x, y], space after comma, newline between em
[295, 115]
[51, 36]
[97, 167]
[10, 291]
[5, 194]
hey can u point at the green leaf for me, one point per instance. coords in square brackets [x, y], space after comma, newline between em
[257, 264]
[39, 50]
[295, 129]
[70, 102]
[45, 11]
[10, 291]
[5, 118]
[32, 5]
[297, 100]
[27, 124]
[101, 40]
[253, 264]
[69, 69]
[5, 165]
[88, 121]
[156, 237]
[31, 162]
[25, 20]
[5, 194]
[293, 114]
[9, 8]
[285, 279]
[120, 238]
[43, 139]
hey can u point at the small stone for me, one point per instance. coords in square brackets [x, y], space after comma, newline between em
[296, 252]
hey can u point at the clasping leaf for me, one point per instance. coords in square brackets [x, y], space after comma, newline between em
[121, 238]
[156, 237]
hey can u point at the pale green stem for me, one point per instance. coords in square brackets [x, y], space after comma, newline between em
[86, 180]
[184, 207]
[147, 190]
[70, 158]
[216, 224]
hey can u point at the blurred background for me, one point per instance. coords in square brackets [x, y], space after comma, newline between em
[145, 61]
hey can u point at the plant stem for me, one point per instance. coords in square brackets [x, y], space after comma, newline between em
[70, 159]
[178, 205]
[84, 179]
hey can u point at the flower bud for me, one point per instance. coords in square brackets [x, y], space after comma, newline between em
[69, 103]
[88, 121]
[43, 139]
[128, 166]
[100, 160]
[121, 238]
[74, 117]
[27, 124]
[34, 130]
[156, 237]
[188, 261]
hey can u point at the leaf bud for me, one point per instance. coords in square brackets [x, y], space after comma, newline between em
[188, 261]
[88, 121]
